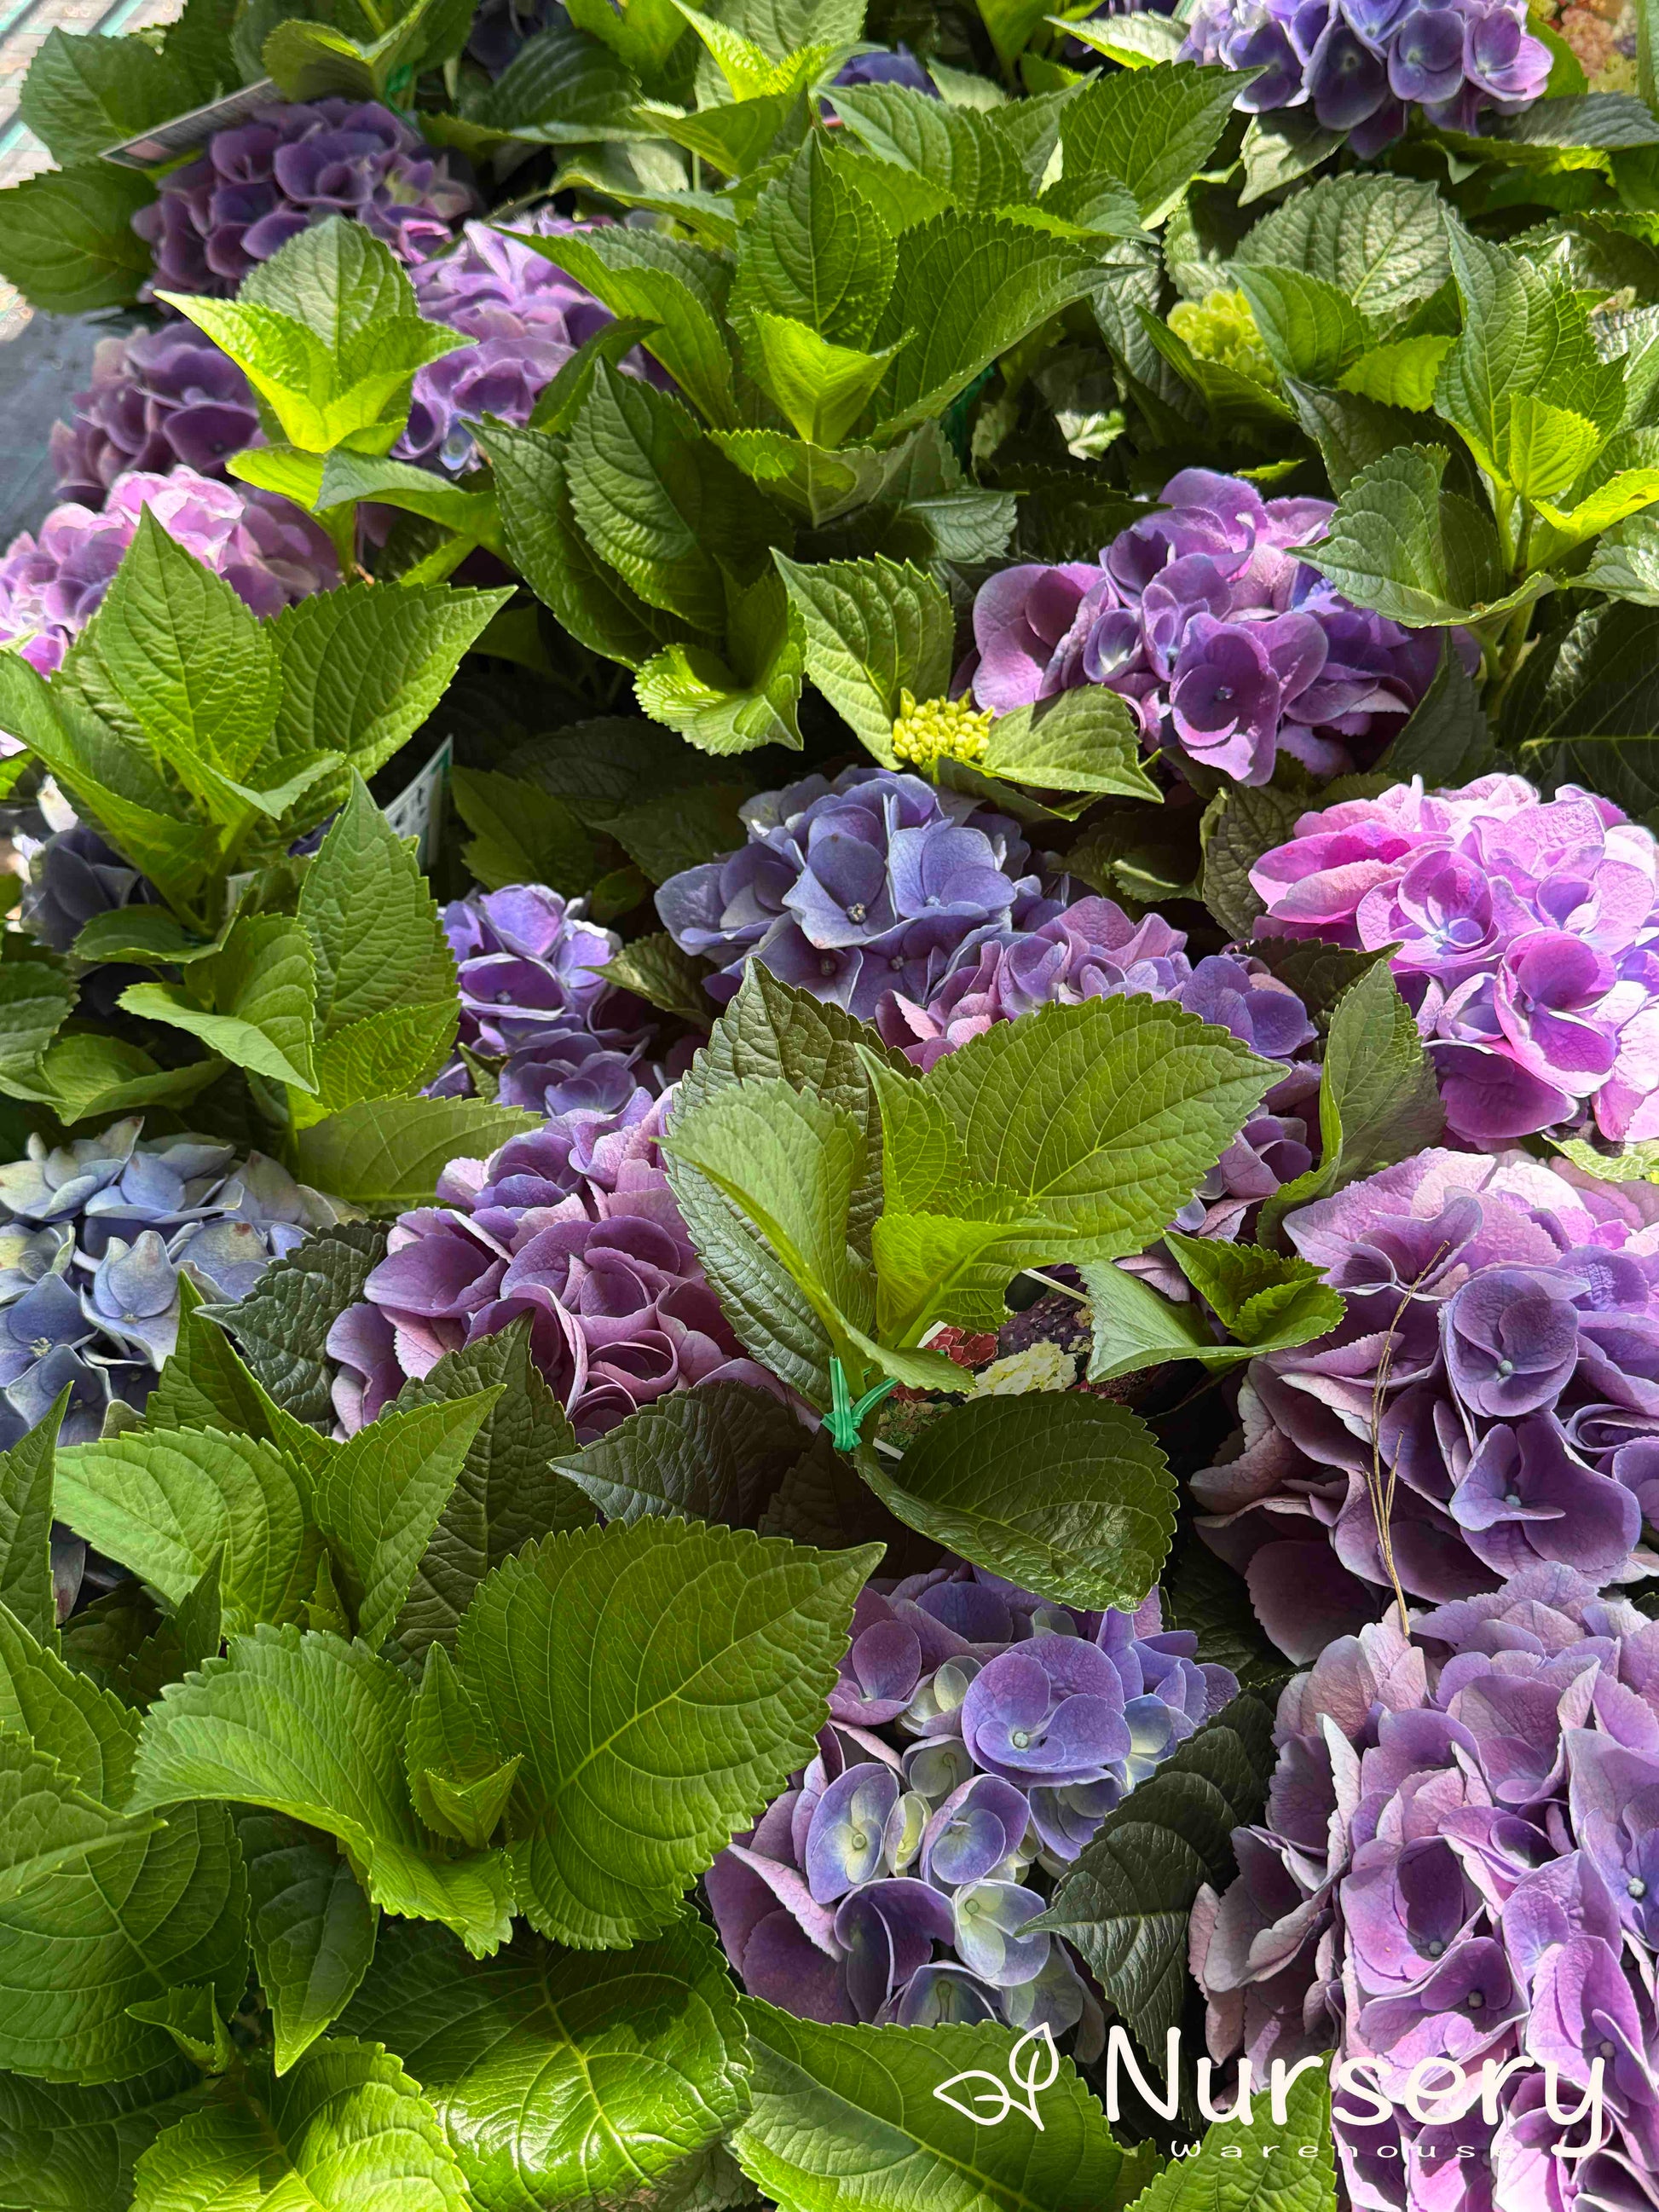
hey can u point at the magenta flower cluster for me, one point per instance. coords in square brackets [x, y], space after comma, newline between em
[571, 1226]
[1362, 66]
[266, 549]
[96, 1233]
[1490, 1400]
[535, 1004]
[977, 1737]
[1227, 646]
[1460, 1863]
[262, 182]
[1528, 937]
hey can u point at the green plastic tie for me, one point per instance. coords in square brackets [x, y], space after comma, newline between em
[845, 1418]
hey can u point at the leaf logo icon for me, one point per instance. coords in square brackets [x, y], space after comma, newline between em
[1033, 2067]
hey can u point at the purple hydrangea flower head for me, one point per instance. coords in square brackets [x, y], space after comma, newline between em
[535, 1001]
[1362, 65]
[1495, 1377]
[262, 182]
[1458, 1864]
[158, 400]
[854, 889]
[878, 66]
[978, 1737]
[526, 319]
[96, 1235]
[73, 876]
[266, 549]
[572, 1227]
[1227, 646]
[1529, 943]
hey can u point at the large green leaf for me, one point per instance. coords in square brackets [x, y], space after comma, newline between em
[363, 667]
[121, 1927]
[378, 1496]
[82, 94]
[1380, 240]
[386, 1154]
[563, 2078]
[282, 1322]
[64, 2149]
[659, 1682]
[313, 1927]
[508, 1489]
[1093, 1532]
[874, 630]
[263, 986]
[1269, 1302]
[679, 288]
[27, 1477]
[67, 241]
[167, 1502]
[1152, 128]
[346, 2130]
[1244, 2165]
[960, 152]
[852, 2116]
[313, 1727]
[714, 1453]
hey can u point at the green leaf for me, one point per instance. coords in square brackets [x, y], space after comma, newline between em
[1378, 1100]
[655, 970]
[1281, 146]
[36, 999]
[1380, 240]
[654, 497]
[561, 88]
[590, 599]
[27, 1479]
[1310, 328]
[679, 288]
[459, 1787]
[49, 1828]
[89, 1734]
[851, 2117]
[971, 287]
[1126, 1903]
[1240, 825]
[874, 628]
[1086, 739]
[82, 94]
[1387, 546]
[173, 659]
[345, 2130]
[67, 241]
[386, 1154]
[116, 1927]
[312, 1727]
[263, 984]
[146, 934]
[564, 2078]
[1153, 128]
[821, 388]
[191, 2015]
[363, 667]
[1079, 1130]
[1523, 337]
[1444, 738]
[508, 1489]
[70, 2150]
[1094, 1534]
[815, 251]
[714, 1453]
[282, 1322]
[1625, 564]
[965, 155]
[521, 834]
[723, 706]
[1350, 432]
[375, 936]
[1402, 375]
[659, 1682]
[313, 1928]
[88, 1073]
[1241, 2167]
[167, 1502]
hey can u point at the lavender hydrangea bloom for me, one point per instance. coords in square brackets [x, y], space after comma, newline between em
[573, 1226]
[1458, 1862]
[854, 889]
[1227, 646]
[978, 1736]
[157, 399]
[1528, 937]
[1362, 65]
[1496, 1374]
[94, 1237]
[262, 182]
[534, 1001]
[74, 876]
[527, 319]
[266, 549]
